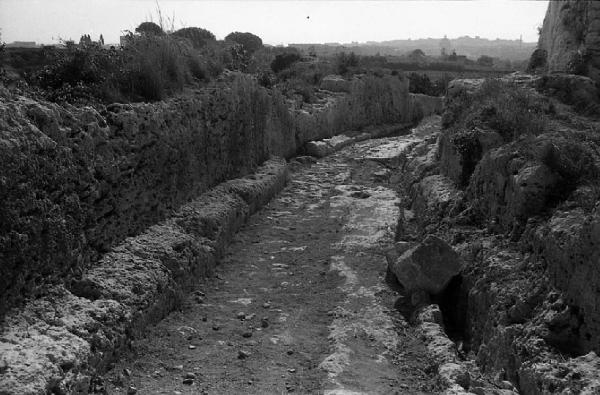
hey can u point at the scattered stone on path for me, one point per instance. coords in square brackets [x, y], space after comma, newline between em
[189, 375]
[266, 305]
[290, 352]
[427, 267]
[382, 175]
[127, 372]
[243, 354]
[216, 327]
[247, 334]
[241, 315]
[188, 381]
[192, 347]
[131, 390]
[306, 160]
[264, 322]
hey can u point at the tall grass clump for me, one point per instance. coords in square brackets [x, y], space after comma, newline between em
[151, 65]
[156, 65]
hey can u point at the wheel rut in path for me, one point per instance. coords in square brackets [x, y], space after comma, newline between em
[299, 303]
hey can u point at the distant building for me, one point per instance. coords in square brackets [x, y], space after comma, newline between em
[21, 44]
[445, 45]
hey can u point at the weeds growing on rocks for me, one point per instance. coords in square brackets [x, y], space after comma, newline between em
[502, 107]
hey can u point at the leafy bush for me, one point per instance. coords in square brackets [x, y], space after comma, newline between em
[154, 66]
[571, 159]
[486, 61]
[147, 68]
[284, 61]
[500, 106]
[420, 83]
[197, 36]
[538, 60]
[296, 86]
[311, 72]
[249, 42]
[467, 144]
[149, 28]
[344, 62]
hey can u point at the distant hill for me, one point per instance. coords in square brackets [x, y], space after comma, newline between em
[472, 47]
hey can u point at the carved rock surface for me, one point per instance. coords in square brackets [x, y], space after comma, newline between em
[571, 37]
[427, 267]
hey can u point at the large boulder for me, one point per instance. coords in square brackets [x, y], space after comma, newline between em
[335, 83]
[427, 267]
[468, 86]
[532, 187]
[318, 149]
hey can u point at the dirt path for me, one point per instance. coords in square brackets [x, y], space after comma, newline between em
[299, 304]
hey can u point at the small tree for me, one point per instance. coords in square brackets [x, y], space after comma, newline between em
[417, 53]
[149, 28]
[101, 40]
[85, 40]
[283, 61]
[486, 61]
[197, 36]
[538, 60]
[249, 42]
[344, 61]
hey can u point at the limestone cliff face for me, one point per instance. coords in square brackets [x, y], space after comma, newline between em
[571, 37]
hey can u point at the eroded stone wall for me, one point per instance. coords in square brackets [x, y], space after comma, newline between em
[76, 181]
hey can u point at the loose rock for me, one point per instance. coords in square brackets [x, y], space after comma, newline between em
[427, 267]
[264, 322]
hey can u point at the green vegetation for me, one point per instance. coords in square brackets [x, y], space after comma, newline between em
[149, 28]
[249, 42]
[284, 61]
[501, 107]
[155, 62]
[197, 36]
[344, 62]
[149, 66]
[421, 83]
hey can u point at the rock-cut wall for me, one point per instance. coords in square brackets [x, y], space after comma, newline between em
[77, 181]
[570, 37]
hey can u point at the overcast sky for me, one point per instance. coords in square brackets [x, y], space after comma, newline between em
[276, 21]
